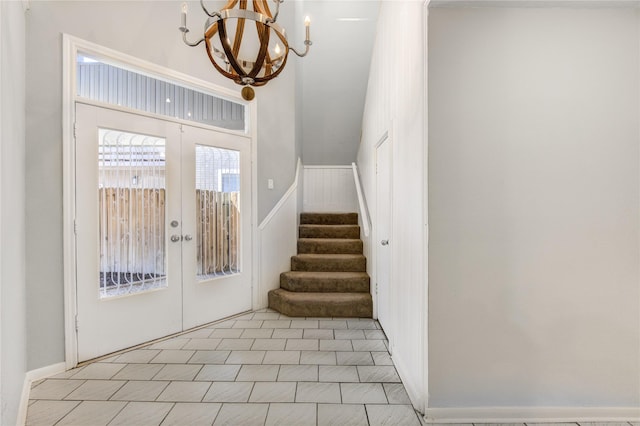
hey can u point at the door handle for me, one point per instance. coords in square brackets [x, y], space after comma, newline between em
[175, 238]
[188, 237]
[384, 242]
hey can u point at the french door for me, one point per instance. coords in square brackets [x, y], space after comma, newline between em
[162, 228]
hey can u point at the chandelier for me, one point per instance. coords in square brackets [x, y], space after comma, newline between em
[248, 56]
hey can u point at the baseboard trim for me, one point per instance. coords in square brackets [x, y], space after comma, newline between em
[532, 414]
[415, 394]
[34, 376]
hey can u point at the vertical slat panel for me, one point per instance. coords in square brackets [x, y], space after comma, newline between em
[329, 189]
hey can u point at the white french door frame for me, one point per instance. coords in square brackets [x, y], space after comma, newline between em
[71, 46]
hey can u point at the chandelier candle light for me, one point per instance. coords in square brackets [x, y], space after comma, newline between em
[251, 57]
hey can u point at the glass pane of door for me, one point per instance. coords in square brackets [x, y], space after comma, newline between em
[217, 212]
[131, 200]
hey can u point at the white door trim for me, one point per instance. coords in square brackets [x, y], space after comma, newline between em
[70, 47]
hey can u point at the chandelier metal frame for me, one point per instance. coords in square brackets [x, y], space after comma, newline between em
[266, 65]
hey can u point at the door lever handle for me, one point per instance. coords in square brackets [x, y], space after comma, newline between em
[175, 238]
[188, 237]
[384, 242]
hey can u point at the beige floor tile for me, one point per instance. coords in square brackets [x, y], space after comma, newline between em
[235, 344]
[258, 373]
[342, 415]
[247, 324]
[203, 344]
[67, 374]
[245, 357]
[142, 414]
[318, 392]
[242, 414]
[209, 357]
[333, 324]
[184, 391]
[396, 394]
[338, 373]
[279, 323]
[140, 356]
[192, 414]
[99, 371]
[287, 333]
[172, 356]
[282, 357]
[95, 390]
[268, 344]
[336, 345]
[375, 335]
[313, 333]
[369, 345]
[220, 373]
[55, 389]
[304, 324]
[94, 413]
[273, 392]
[363, 393]
[226, 333]
[266, 316]
[291, 414]
[354, 358]
[140, 390]
[138, 372]
[178, 372]
[222, 324]
[378, 374]
[349, 334]
[48, 412]
[302, 345]
[392, 415]
[257, 333]
[298, 373]
[361, 324]
[229, 392]
[381, 358]
[318, 357]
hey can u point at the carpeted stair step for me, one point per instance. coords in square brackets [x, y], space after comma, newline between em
[329, 231]
[331, 282]
[329, 246]
[329, 218]
[293, 304]
[329, 262]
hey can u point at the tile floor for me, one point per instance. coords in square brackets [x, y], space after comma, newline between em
[261, 368]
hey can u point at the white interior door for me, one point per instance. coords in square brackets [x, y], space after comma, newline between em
[128, 282]
[163, 228]
[383, 232]
[216, 214]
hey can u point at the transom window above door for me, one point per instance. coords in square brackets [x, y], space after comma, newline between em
[115, 85]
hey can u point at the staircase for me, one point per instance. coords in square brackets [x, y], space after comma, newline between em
[328, 277]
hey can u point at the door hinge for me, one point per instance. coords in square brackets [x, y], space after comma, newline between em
[75, 130]
[77, 324]
[75, 227]
[376, 287]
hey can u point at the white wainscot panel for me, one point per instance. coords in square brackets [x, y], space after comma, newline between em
[329, 189]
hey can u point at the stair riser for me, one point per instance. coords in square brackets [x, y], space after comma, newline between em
[329, 218]
[329, 265]
[326, 285]
[362, 308]
[330, 247]
[329, 231]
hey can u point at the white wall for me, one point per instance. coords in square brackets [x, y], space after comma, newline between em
[147, 30]
[395, 92]
[334, 78]
[329, 189]
[12, 206]
[534, 211]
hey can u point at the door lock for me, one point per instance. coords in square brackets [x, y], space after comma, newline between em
[188, 237]
[175, 238]
[384, 242]
[174, 223]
